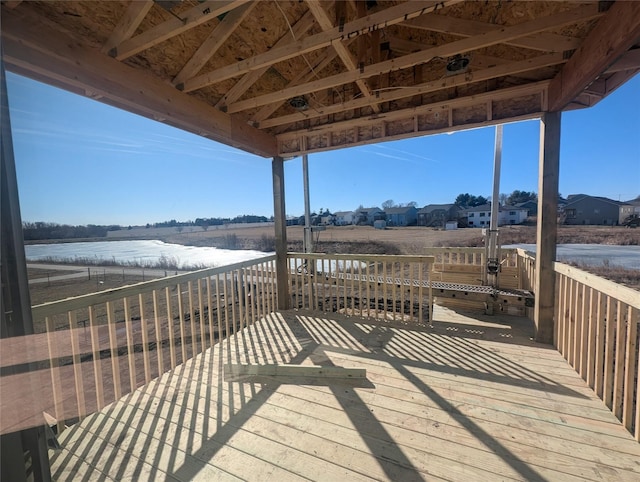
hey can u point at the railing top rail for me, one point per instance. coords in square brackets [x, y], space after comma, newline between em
[407, 258]
[464, 249]
[626, 295]
[83, 301]
[526, 254]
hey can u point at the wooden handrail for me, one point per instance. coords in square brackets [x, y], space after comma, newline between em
[624, 294]
[69, 304]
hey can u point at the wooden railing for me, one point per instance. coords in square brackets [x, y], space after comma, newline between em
[596, 331]
[101, 346]
[374, 286]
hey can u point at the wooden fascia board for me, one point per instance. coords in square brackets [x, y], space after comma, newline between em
[191, 18]
[410, 60]
[213, 42]
[378, 20]
[546, 42]
[538, 87]
[34, 48]
[613, 35]
[424, 88]
[410, 135]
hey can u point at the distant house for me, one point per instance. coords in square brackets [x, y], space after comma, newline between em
[635, 203]
[405, 216]
[368, 216]
[343, 218]
[585, 209]
[480, 216]
[530, 206]
[438, 214]
[327, 219]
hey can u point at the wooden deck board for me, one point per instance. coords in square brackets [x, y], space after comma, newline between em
[452, 401]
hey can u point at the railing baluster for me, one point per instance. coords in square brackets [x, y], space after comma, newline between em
[226, 307]
[172, 339]
[263, 298]
[74, 332]
[192, 320]
[131, 361]
[309, 280]
[376, 274]
[621, 337]
[145, 340]
[394, 290]
[600, 343]
[113, 345]
[559, 306]
[630, 366]
[212, 331]
[218, 310]
[578, 349]
[56, 380]
[97, 362]
[183, 334]
[158, 327]
[274, 286]
[203, 334]
[234, 294]
[591, 339]
[608, 356]
[248, 289]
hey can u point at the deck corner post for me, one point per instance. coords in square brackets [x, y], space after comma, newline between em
[547, 228]
[280, 225]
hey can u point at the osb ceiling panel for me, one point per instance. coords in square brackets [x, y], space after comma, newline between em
[292, 76]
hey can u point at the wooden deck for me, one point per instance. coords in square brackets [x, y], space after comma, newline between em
[469, 398]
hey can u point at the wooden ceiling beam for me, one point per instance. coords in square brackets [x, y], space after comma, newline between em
[299, 28]
[614, 34]
[546, 42]
[214, 41]
[477, 99]
[361, 26]
[511, 68]
[128, 24]
[347, 59]
[32, 47]
[189, 19]
[446, 50]
[355, 127]
[321, 62]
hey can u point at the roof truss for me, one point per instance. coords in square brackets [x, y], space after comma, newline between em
[365, 71]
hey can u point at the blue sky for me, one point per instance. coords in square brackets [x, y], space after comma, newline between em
[79, 161]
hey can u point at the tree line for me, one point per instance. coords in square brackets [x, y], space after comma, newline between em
[516, 197]
[39, 231]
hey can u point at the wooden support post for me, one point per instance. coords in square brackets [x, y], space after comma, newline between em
[547, 225]
[282, 271]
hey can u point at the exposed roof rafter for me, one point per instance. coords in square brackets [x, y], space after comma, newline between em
[360, 26]
[191, 18]
[410, 60]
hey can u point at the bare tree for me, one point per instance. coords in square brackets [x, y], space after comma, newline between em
[388, 204]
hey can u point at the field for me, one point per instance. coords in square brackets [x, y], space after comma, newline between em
[408, 240]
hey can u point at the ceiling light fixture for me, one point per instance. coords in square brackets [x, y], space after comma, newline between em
[299, 103]
[457, 64]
